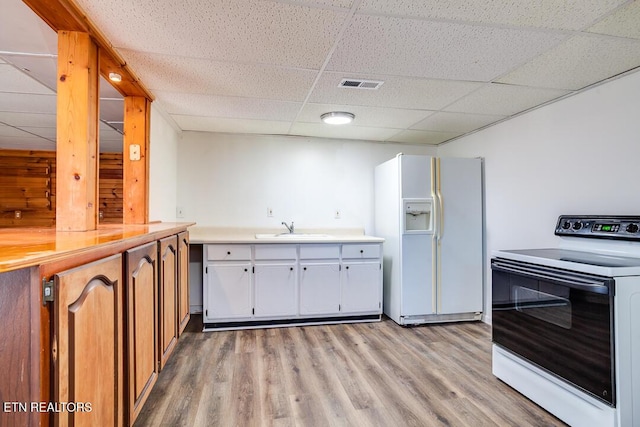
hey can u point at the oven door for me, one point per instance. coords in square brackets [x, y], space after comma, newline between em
[559, 320]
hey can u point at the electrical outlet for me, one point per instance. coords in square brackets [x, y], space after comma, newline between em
[179, 212]
[337, 214]
[269, 212]
[18, 214]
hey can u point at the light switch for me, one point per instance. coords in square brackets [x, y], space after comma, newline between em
[134, 152]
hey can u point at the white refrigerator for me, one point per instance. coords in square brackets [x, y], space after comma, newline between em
[430, 212]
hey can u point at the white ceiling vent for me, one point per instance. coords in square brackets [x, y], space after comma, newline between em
[360, 84]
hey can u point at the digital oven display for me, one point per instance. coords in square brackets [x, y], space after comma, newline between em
[607, 228]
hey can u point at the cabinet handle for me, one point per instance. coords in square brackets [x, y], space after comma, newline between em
[228, 252]
[305, 268]
[361, 251]
[347, 267]
[290, 268]
[245, 269]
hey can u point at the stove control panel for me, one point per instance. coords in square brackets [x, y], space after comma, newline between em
[603, 227]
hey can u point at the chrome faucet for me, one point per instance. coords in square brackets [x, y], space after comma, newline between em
[290, 228]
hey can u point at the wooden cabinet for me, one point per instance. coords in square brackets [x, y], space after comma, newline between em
[168, 294]
[141, 295]
[20, 354]
[88, 343]
[184, 310]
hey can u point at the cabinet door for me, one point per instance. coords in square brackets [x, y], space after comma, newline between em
[167, 277]
[88, 336]
[361, 287]
[320, 288]
[228, 293]
[275, 289]
[142, 324]
[183, 281]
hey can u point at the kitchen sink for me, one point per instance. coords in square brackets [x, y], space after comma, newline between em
[293, 236]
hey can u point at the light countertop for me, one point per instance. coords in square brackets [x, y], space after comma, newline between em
[200, 234]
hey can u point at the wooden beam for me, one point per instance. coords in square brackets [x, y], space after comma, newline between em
[66, 15]
[77, 133]
[135, 182]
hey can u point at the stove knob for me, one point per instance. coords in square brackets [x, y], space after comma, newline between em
[566, 225]
[632, 228]
[577, 225]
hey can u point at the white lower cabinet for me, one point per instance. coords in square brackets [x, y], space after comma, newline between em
[361, 286]
[228, 293]
[319, 288]
[275, 289]
[262, 282]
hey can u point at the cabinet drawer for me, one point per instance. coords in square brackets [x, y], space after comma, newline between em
[312, 251]
[363, 250]
[266, 252]
[229, 252]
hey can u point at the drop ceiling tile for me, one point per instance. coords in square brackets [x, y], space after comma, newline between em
[366, 116]
[500, 99]
[110, 147]
[230, 30]
[28, 103]
[176, 74]
[109, 126]
[625, 22]
[35, 35]
[411, 47]
[322, 130]
[112, 109]
[26, 143]
[217, 124]
[110, 135]
[40, 68]
[227, 106]
[568, 14]
[422, 137]
[455, 122]
[28, 119]
[579, 62]
[10, 131]
[108, 91]
[48, 133]
[396, 92]
[329, 3]
[14, 80]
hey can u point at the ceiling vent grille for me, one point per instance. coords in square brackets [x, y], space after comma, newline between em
[361, 84]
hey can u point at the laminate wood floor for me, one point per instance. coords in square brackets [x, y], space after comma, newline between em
[364, 374]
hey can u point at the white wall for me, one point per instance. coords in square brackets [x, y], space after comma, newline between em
[580, 155]
[230, 180]
[163, 168]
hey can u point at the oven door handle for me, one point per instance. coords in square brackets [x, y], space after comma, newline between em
[596, 285]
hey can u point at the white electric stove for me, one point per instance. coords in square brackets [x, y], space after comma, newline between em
[566, 321]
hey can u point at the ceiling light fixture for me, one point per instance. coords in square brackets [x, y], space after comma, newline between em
[337, 117]
[115, 77]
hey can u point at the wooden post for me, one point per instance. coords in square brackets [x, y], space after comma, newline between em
[135, 160]
[77, 132]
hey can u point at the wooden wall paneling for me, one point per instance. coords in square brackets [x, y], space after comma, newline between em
[142, 325]
[184, 309]
[20, 318]
[136, 172]
[77, 132]
[110, 188]
[168, 285]
[27, 185]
